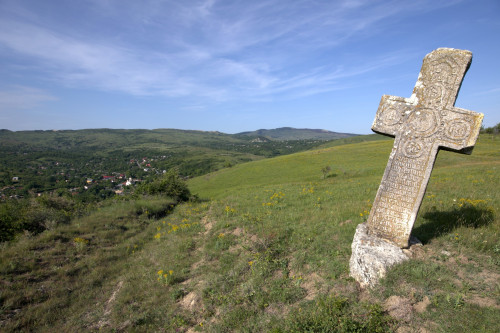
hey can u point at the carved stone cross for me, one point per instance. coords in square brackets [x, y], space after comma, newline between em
[421, 125]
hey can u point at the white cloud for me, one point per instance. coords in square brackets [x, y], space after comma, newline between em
[20, 97]
[213, 49]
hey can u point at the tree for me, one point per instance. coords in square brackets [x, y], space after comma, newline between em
[491, 130]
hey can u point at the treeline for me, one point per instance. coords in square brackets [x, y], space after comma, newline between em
[491, 130]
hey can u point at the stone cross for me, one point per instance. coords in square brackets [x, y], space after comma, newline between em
[421, 125]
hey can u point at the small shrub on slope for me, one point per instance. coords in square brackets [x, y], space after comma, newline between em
[170, 185]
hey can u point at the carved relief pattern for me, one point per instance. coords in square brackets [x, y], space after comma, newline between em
[394, 206]
[420, 129]
[413, 148]
[458, 129]
[440, 78]
[390, 115]
[423, 122]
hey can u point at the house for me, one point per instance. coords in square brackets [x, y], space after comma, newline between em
[111, 178]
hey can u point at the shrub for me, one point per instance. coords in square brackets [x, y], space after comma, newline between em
[57, 202]
[36, 214]
[10, 220]
[170, 185]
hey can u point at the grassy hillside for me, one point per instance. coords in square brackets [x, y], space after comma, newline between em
[348, 162]
[268, 250]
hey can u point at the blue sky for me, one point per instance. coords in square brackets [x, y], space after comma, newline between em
[232, 66]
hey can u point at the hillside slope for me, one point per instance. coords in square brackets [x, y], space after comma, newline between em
[267, 249]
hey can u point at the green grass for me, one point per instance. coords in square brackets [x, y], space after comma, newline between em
[62, 272]
[267, 250]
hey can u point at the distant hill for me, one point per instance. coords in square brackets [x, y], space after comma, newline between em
[289, 133]
[44, 161]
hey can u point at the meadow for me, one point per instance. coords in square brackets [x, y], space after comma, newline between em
[266, 249]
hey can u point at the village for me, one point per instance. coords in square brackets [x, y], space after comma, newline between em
[65, 178]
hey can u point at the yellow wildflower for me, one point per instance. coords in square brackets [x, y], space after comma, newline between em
[80, 240]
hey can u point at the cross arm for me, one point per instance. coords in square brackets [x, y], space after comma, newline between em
[391, 114]
[461, 129]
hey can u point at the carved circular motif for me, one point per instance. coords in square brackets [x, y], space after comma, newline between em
[413, 149]
[458, 129]
[423, 122]
[434, 95]
[390, 116]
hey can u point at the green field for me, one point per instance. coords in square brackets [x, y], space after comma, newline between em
[266, 249]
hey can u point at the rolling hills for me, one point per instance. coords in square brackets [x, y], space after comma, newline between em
[44, 161]
[266, 249]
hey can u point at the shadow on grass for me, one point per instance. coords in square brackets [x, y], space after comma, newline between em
[443, 222]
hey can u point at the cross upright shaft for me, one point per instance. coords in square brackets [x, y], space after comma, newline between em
[421, 125]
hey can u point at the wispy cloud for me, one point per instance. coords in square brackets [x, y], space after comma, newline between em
[487, 92]
[13, 98]
[212, 49]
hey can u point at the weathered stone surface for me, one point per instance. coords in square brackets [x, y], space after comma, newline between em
[372, 256]
[421, 125]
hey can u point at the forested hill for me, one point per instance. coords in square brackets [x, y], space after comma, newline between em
[119, 138]
[289, 133]
[112, 138]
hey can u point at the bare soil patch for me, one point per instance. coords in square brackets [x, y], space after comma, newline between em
[104, 321]
[421, 306]
[191, 302]
[312, 284]
[399, 308]
[483, 302]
